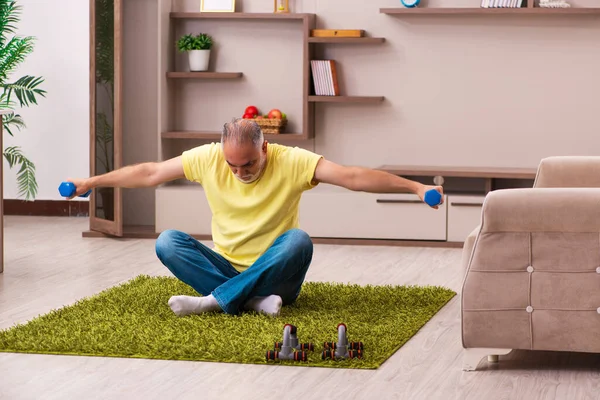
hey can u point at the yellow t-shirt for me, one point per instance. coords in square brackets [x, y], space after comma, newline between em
[248, 217]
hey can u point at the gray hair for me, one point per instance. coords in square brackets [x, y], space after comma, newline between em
[241, 131]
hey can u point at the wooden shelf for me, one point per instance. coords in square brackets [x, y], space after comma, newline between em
[350, 40]
[467, 181]
[345, 99]
[462, 172]
[490, 11]
[204, 75]
[211, 135]
[239, 15]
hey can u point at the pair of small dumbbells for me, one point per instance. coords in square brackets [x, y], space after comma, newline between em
[291, 349]
[342, 348]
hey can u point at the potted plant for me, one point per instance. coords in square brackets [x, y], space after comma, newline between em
[198, 49]
[14, 50]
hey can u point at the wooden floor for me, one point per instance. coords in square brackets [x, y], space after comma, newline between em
[48, 265]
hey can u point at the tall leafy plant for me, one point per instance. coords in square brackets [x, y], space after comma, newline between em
[13, 51]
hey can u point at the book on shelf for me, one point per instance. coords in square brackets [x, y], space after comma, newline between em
[501, 3]
[324, 76]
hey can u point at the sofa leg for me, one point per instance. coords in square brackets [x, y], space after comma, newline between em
[472, 356]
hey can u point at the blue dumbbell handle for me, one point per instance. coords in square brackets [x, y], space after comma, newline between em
[433, 197]
[68, 189]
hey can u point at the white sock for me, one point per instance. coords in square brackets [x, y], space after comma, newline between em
[185, 305]
[270, 305]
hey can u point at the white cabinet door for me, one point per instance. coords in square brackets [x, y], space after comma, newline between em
[346, 214]
[464, 215]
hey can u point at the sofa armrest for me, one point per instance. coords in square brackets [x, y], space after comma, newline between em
[542, 210]
[568, 171]
[468, 247]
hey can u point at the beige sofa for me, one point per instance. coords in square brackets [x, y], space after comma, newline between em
[532, 278]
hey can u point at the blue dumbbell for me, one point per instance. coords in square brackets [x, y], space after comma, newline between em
[68, 189]
[433, 197]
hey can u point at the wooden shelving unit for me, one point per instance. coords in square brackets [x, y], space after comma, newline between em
[458, 180]
[317, 40]
[240, 15]
[207, 135]
[346, 99]
[489, 11]
[346, 40]
[307, 117]
[204, 75]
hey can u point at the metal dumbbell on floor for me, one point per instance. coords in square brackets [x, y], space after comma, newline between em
[341, 348]
[289, 349]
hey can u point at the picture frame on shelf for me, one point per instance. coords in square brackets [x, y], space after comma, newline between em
[281, 6]
[217, 5]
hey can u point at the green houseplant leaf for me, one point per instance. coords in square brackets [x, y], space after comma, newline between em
[13, 52]
[26, 176]
[189, 42]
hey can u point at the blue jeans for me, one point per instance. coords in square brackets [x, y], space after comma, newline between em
[280, 270]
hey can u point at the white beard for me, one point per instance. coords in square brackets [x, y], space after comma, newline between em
[252, 178]
[255, 176]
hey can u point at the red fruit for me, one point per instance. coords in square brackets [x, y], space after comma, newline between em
[275, 114]
[248, 116]
[251, 110]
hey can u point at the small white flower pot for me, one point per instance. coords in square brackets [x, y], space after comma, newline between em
[199, 60]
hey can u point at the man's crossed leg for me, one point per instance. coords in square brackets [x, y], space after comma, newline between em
[275, 279]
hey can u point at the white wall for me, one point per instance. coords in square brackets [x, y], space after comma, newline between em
[57, 135]
[479, 90]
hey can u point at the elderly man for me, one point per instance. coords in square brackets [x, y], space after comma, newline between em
[260, 256]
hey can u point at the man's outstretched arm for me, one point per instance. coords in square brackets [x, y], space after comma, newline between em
[134, 176]
[362, 179]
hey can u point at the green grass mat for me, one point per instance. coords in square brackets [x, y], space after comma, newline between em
[134, 320]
